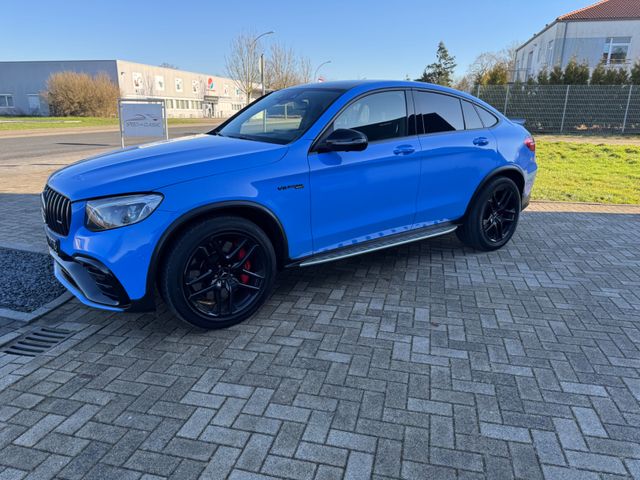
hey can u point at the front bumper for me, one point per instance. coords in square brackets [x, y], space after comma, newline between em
[109, 270]
[91, 282]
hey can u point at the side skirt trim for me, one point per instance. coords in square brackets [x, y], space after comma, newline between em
[375, 245]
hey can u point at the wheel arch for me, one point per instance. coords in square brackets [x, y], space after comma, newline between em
[509, 171]
[252, 211]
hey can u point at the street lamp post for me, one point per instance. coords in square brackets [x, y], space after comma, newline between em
[255, 41]
[315, 75]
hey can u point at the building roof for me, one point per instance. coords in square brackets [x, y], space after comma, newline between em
[605, 10]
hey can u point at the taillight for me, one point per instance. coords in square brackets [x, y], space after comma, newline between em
[530, 143]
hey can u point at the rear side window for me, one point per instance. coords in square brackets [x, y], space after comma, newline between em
[379, 116]
[489, 119]
[438, 113]
[471, 118]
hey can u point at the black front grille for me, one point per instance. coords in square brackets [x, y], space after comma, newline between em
[56, 209]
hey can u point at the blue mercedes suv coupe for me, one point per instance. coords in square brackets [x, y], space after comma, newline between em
[302, 176]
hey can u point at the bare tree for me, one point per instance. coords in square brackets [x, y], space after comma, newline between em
[482, 65]
[305, 69]
[281, 67]
[169, 65]
[242, 63]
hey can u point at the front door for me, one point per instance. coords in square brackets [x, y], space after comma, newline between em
[360, 196]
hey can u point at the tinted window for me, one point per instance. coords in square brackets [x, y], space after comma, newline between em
[471, 119]
[438, 113]
[282, 116]
[379, 116]
[489, 119]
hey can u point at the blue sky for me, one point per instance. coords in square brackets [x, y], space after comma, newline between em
[363, 39]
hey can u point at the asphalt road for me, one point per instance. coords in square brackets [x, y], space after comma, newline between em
[34, 150]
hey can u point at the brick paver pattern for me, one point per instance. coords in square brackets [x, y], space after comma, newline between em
[424, 361]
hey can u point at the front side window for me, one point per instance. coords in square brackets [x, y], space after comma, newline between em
[282, 116]
[616, 50]
[380, 116]
[437, 113]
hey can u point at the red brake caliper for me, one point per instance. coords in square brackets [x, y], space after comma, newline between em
[244, 278]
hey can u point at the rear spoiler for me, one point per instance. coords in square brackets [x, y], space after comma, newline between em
[519, 121]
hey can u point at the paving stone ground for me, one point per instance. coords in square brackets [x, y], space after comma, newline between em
[424, 361]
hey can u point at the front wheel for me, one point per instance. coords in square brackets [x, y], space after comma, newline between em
[493, 217]
[218, 272]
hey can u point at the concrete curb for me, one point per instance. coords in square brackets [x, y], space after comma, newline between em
[579, 207]
[28, 317]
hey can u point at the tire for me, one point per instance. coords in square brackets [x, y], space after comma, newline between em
[218, 272]
[493, 217]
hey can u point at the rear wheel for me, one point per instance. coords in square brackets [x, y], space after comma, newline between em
[493, 217]
[218, 272]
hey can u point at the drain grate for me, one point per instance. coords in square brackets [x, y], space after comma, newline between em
[37, 341]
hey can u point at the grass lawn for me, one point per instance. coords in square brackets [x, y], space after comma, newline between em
[27, 123]
[580, 172]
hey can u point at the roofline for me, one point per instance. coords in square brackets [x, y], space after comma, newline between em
[563, 19]
[552, 24]
[115, 60]
[176, 69]
[60, 61]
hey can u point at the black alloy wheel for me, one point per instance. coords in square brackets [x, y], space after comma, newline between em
[224, 274]
[499, 215]
[218, 272]
[493, 216]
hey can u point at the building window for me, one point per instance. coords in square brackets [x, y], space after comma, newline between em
[169, 103]
[6, 101]
[540, 50]
[550, 54]
[159, 83]
[616, 50]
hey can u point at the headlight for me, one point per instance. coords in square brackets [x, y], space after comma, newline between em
[114, 212]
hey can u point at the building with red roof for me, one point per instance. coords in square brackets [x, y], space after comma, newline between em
[606, 32]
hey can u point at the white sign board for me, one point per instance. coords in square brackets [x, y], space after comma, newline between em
[142, 119]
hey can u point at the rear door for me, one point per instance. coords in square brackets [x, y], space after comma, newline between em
[359, 196]
[457, 152]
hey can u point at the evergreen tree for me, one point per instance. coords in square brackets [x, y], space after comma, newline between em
[598, 77]
[635, 73]
[611, 76]
[576, 73]
[556, 76]
[543, 77]
[440, 72]
[622, 77]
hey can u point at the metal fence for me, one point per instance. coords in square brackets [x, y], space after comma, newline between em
[570, 109]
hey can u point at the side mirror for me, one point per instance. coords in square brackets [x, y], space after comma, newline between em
[344, 140]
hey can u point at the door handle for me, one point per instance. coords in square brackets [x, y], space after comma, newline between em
[481, 141]
[404, 150]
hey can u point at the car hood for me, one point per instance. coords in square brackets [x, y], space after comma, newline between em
[151, 166]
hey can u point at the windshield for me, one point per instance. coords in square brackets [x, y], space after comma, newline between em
[282, 116]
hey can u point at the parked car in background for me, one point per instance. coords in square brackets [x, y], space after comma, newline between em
[305, 175]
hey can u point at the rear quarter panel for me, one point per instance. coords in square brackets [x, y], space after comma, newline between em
[510, 138]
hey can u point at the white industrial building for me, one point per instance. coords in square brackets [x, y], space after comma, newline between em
[607, 32]
[187, 94]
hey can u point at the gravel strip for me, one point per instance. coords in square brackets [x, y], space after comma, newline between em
[26, 280]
